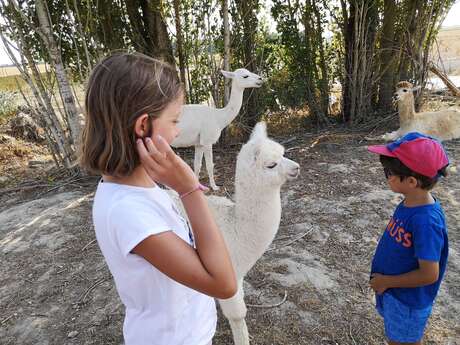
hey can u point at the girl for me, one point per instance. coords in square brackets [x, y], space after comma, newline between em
[165, 274]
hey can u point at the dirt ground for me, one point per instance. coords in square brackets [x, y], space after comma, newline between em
[55, 287]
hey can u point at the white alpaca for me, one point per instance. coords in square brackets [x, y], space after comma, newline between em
[249, 224]
[442, 124]
[200, 125]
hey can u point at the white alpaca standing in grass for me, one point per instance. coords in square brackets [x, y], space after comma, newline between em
[250, 224]
[442, 124]
[200, 125]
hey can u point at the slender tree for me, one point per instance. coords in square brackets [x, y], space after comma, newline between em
[388, 55]
[179, 40]
[246, 11]
[158, 31]
[68, 101]
[227, 57]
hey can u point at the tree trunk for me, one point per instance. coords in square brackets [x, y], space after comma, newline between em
[226, 25]
[82, 35]
[139, 35]
[158, 32]
[65, 90]
[179, 41]
[59, 144]
[388, 56]
[323, 82]
[359, 38]
[246, 11]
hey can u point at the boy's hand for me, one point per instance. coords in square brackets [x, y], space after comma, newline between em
[164, 166]
[378, 283]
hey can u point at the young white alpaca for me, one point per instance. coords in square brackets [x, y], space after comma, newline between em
[249, 224]
[200, 125]
[442, 124]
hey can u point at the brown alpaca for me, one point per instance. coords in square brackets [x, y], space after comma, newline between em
[442, 124]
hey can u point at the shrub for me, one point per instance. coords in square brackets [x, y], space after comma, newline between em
[8, 104]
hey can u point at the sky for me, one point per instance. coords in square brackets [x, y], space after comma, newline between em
[452, 19]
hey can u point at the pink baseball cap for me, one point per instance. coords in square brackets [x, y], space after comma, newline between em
[420, 153]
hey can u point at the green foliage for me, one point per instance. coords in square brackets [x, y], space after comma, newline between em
[305, 75]
[202, 42]
[308, 51]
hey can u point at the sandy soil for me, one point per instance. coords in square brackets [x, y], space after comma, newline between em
[55, 287]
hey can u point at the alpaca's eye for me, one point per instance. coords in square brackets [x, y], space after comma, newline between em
[245, 76]
[271, 166]
[404, 90]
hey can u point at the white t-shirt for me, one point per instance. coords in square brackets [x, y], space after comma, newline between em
[159, 311]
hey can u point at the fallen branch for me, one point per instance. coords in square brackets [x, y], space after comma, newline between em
[6, 319]
[291, 242]
[22, 188]
[91, 288]
[90, 243]
[269, 305]
[284, 142]
[61, 185]
[445, 79]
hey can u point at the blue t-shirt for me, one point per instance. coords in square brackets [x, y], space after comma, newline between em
[413, 233]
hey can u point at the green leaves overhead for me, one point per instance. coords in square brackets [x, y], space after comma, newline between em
[300, 46]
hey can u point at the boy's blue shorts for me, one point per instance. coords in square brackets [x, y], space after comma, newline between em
[403, 324]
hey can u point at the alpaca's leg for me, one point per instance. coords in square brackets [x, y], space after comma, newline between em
[198, 158]
[210, 166]
[235, 310]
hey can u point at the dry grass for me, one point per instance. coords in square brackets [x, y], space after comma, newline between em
[328, 200]
[15, 155]
[9, 71]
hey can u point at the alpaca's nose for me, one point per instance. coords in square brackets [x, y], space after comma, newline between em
[295, 171]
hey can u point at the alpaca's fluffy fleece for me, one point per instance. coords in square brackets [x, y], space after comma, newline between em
[250, 223]
[442, 124]
[201, 126]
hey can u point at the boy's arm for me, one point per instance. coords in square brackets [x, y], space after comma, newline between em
[426, 274]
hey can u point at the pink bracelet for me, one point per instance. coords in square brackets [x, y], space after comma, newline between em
[198, 187]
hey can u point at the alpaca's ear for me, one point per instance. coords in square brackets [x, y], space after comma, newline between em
[227, 74]
[416, 88]
[259, 131]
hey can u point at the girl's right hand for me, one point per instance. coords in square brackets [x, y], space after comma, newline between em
[164, 166]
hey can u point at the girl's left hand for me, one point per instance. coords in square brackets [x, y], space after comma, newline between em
[378, 283]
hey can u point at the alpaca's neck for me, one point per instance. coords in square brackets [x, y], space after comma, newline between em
[406, 111]
[228, 113]
[258, 214]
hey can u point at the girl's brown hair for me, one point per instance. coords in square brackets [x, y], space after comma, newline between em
[122, 87]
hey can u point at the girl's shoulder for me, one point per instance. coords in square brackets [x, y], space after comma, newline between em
[116, 198]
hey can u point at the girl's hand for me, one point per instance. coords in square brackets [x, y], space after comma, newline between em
[164, 166]
[378, 283]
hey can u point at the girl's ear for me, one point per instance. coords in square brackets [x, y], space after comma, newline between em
[141, 126]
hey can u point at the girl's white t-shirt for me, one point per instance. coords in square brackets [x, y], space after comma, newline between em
[159, 311]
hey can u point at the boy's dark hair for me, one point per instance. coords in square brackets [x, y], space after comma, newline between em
[397, 168]
[122, 87]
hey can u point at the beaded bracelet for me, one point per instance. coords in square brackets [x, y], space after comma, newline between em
[198, 187]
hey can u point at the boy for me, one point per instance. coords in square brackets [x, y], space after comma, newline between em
[411, 256]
